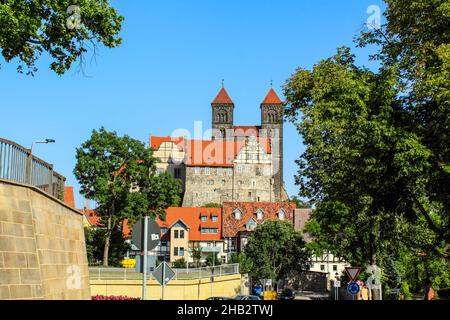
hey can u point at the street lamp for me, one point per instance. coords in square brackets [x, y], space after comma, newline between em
[30, 159]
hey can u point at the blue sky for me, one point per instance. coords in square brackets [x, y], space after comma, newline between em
[169, 68]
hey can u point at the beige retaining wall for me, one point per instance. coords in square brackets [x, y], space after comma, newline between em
[42, 246]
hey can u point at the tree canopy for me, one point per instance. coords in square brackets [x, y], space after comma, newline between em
[275, 251]
[65, 30]
[118, 173]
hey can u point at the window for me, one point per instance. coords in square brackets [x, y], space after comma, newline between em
[197, 171]
[175, 251]
[210, 230]
[176, 234]
[230, 171]
[181, 234]
[237, 214]
[204, 218]
[164, 230]
[177, 173]
[281, 214]
[249, 194]
[215, 218]
[322, 267]
[181, 252]
[335, 267]
[207, 171]
[259, 214]
[239, 169]
[160, 171]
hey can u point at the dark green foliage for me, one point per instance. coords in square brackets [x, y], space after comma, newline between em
[276, 250]
[245, 263]
[31, 28]
[95, 240]
[213, 260]
[180, 264]
[212, 205]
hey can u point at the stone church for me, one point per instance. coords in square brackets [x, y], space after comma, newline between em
[239, 163]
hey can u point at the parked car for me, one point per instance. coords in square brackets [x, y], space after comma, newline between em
[219, 299]
[247, 298]
[287, 294]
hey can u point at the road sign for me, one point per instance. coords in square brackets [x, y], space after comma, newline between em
[352, 273]
[153, 238]
[336, 283]
[163, 274]
[353, 288]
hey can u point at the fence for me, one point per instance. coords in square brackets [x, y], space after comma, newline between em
[180, 274]
[17, 164]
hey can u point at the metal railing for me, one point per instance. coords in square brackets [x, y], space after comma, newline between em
[180, 274]
[18, 165]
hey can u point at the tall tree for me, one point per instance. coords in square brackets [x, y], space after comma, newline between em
[276, 250]
[416, 40]
[63, 29]
[118, 173]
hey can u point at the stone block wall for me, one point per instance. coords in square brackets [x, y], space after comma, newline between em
[42, 247]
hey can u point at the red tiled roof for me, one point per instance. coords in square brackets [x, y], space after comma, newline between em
[92, 217]
[209, 153]
[272, 98]
[232, 227]
[156, 142]
[69, 197]
[192, 218]
[222, 97]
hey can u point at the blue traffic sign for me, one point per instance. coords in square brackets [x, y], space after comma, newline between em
[353, 288]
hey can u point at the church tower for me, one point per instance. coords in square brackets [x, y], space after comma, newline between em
[222, 115]
[272, 115]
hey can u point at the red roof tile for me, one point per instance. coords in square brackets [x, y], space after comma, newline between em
[192, 218]
[210, 153]
[272, 98]
[222, 97]
[69, 197]
[232, 227]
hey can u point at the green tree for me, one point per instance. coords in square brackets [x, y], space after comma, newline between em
[118, 173]
[197, 256]
[30, 28]
[180, 264]
[300, 203]
[245, 263]
[416, 41]
[213, 260]
[95, 238]
[276, 251]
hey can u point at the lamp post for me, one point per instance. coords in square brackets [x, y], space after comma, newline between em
[30, 157]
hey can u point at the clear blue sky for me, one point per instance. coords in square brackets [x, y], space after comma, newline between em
[169, 68]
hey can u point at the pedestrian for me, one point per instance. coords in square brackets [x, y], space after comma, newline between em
[429, 292]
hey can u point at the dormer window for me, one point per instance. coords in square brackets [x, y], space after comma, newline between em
[281, 214]
[237, 214]
[251, 225]
[259, 214]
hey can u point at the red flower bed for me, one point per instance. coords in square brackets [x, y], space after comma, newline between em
[116, 298]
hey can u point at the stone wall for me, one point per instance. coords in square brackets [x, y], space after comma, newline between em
[42, 247]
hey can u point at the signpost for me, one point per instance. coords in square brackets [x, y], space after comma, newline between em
[353, 288]
[352, 273]
[336, 285]
[163, 274]
[146, 236]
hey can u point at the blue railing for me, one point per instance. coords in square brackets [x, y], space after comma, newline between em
[18, 165]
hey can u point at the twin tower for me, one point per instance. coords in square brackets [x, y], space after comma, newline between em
[272, 115]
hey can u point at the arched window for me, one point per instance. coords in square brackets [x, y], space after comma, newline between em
[281, 214]
[259, 214]
[237, 214]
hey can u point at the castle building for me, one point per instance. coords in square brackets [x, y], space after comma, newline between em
[239, 163]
